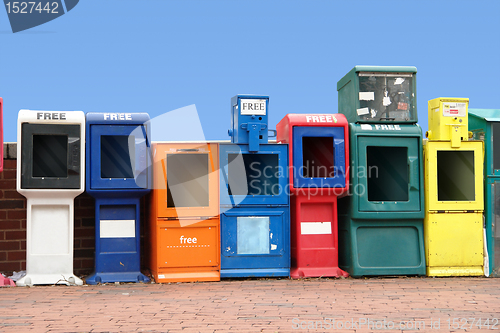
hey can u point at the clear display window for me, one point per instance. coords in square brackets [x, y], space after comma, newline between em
[187, 180]
[386, 97]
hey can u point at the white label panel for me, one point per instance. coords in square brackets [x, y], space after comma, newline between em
[363, 111]
[50, 229]
[117, 228]
[253, 107]
[454, 109]
[315, 228]
[366, 127]
[366, 96]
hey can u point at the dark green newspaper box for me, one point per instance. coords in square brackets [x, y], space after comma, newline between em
[381, 221]
[485, 125]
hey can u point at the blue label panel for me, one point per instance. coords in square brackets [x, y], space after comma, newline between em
[114, 214]
[252, 234]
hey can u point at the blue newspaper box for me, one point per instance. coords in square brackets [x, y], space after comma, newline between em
[117, 169]
[255, 209]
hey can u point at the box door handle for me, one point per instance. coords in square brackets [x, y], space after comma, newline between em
[413, 172]
[74, 155]
[140, 155]
[164, 168]
[339, 156]
[140, 162]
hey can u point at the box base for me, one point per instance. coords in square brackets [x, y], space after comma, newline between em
[304, 272]
[206, 276]
[96, 278]
[45, 279]
[455, 271]
[266, 272]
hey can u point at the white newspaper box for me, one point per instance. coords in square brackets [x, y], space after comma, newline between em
[50, 174]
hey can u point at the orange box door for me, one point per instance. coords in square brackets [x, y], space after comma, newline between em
[191, 243]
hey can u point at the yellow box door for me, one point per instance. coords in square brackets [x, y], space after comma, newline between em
[454, 243]
[453, 177]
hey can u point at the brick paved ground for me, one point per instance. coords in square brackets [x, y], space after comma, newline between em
[253, 306]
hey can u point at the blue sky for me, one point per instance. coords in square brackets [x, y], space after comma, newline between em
[156, 55]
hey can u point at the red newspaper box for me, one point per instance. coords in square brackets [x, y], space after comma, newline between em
[319, 174]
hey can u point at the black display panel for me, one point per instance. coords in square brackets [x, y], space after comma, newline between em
[387, 172]
[117, 156]
[187, 180]
[455, 175]
[50, 156]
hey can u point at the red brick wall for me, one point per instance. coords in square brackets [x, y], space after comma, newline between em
[84, 241]
[12, 222]
[13, 227]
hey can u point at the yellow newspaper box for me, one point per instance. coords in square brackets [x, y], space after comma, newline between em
[454, 198]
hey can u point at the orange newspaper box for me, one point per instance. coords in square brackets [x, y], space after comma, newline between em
[183, 228]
